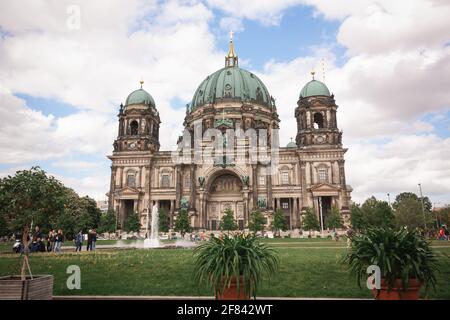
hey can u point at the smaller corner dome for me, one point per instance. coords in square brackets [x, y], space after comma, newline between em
[140, 96]
[291, 145]
[314, 88]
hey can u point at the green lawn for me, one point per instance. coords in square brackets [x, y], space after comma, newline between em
[305, 271]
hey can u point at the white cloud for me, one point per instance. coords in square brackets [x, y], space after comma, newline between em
[268, 12]
[397, 70]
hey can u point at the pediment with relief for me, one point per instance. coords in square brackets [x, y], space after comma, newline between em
[128, 192]
[325, 189]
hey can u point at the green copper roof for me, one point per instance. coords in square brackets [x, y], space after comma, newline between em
[231, 83]
[140, 96]
[314, 88]
[291, 145]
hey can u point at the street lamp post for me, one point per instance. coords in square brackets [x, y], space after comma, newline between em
[423, 208]
[436, 214]
[389, 199]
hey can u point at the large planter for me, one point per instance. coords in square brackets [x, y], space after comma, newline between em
[232, 292]
[397, 292]
[38, 288]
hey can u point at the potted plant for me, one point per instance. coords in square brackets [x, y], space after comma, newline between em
[234, 265]
[405, 259]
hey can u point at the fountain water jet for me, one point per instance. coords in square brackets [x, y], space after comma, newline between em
[153, 241]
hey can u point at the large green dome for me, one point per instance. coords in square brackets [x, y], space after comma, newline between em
[314, 88]
[140, 96]
[231, 84]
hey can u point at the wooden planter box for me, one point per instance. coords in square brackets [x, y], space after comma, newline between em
[38, 288]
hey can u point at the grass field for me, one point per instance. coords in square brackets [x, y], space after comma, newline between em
[307, 269]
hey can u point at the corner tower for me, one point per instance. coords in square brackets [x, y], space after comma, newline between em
[136, 145]
[138, 123]
[316, 117]
[321, 152]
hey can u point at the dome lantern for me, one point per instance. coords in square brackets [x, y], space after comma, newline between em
[231, 59]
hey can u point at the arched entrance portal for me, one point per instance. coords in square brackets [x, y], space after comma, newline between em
[224, 192]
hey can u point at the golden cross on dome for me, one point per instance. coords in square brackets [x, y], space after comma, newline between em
[141, 82]
[313, 73]
[231, 35]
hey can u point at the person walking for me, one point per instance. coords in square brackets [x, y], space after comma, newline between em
[446, 233]
[79, 241]
[441, 233]
[89, 240]
[59, 239]
[50, 240]
[94, 239]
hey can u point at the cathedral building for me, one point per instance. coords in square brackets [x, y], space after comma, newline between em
[307, 173]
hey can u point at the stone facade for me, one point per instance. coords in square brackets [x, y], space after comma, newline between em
[308, 173]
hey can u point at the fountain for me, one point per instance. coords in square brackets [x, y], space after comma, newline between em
[153, 241]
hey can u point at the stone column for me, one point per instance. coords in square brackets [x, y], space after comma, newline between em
[192, 195]
[137, 182]
[111, 188]
[255, 184]
[278, 203]
[135, 205]
[120, 213]
[172, 207]
[269, 191]
[201, 211]
[344, 202]
[296, 215]
[149, 185]
[178, 185]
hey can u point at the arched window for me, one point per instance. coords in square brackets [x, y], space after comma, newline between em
[322, 174]
[318, 120]
[134, 127]
[131, 180]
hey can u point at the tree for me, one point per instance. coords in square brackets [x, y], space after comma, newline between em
[163, 221]
[442, 216]
[107, 222]
[80, 213]
[228, 223]
[408, 211]
[357, 217]
[30, 197]
[310, 221]
[257, 221]
[182, 224]
[334, 219]
[4, 231]
[409, 195]
[377, 213]
[279, 222]
[132, 223]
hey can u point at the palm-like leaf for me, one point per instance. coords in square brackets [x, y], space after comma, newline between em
[400, 254]
[220, 260]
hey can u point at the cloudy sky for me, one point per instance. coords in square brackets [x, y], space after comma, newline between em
[387, 62]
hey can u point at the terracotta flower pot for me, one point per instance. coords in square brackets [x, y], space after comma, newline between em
[232, 292]
[397, 292]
